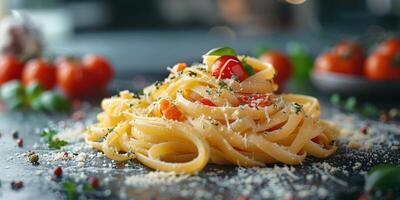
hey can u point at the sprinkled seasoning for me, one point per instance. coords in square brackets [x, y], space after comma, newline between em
[158, 84]
[364, 129]
[222, 85]
[94, 182]
[15, 134]
[17, 185]
[192, 74]
[297, 107]
[20, 142]
[384, 117]
[57, 172]
[34, 158]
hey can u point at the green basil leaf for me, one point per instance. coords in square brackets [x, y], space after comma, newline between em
[16, 103]
[52, 102]
[250, 71]
[383, 177]
[222, 51]
[12, 90]
[34, 90]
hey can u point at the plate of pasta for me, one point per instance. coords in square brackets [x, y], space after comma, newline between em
[224, 111]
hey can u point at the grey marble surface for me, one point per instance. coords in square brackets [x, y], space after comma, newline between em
[338, 177]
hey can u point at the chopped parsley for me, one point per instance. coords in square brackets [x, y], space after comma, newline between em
[141, 92]
[297, 107]
[222, 85]
[157, 84]
[192, 74]
[136, 96]
[48, 136]
[209, 92]
[235, 78]
[110, 129]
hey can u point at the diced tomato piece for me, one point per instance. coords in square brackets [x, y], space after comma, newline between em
[315, 139]
[227, 67]
[169, 110]
[256, 100]
[179, 67]
[206, 102]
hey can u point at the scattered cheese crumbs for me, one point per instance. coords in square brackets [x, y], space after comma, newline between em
[38, 172]
[155, 178]
[81, 157]
[81, 164]
[61, 156]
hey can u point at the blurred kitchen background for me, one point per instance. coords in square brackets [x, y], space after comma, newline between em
[147, 36]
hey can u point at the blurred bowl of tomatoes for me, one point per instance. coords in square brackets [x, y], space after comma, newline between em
[347, 69]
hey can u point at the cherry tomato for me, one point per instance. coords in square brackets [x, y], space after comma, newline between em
[41, 71]
[10, 68]
[98, 72]
[206, 102]
[329, 62]
[70, 78]
[281, 63]
[381, 66]
[228, 66]
[348, 49]
[389, 46]
[255, 100]
[351, 52]
[345, 57]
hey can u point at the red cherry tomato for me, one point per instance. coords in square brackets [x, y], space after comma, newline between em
[255, 100]
[329, 62]
[41, 71]
[206, 102]
[352, 53]
[389, 46]
[381, 66]
[70, 78]
[10, 68]
[227, 66]
[98, 71]
[281, 63]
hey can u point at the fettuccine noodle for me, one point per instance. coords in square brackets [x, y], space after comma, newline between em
[284, 129]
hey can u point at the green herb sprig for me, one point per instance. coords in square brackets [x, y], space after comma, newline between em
[48, 136]
[351, 104]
